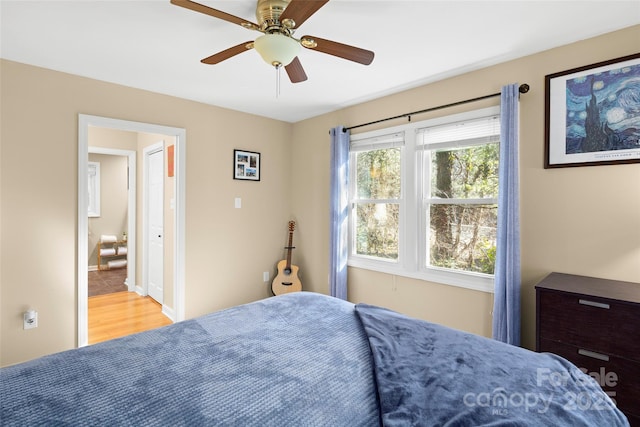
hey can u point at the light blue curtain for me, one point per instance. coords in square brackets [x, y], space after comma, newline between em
[506, 309]
[339, 209]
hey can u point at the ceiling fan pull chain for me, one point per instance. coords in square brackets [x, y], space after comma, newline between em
[278, 81]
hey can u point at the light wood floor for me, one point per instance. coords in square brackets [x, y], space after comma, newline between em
[122, 313]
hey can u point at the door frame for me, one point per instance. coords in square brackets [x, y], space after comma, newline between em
[131, 207]
[146, 152]
[84, 122]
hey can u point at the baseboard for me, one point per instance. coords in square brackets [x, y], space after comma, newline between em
[169, 312]
[92, 268]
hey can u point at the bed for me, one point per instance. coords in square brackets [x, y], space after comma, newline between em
[302, 359]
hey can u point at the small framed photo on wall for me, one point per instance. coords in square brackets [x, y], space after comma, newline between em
[246, 165]
[593, 114]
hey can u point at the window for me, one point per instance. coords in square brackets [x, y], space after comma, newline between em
[93, 172]
[424, 199]
[460, 201]
[377, 196]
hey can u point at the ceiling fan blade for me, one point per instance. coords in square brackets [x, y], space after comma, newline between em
[228, 53]
[197, 7]
[300, 10]
[329, 47]
[295, 71]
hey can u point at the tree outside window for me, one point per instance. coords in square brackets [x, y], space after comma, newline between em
[463, 216]
[378, 192]
[424, 199]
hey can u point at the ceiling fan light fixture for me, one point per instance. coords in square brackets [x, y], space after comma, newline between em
[277, 49]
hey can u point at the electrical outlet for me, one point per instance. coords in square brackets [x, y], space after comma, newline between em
[30, 319]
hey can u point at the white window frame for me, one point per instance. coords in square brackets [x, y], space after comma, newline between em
[412, 224]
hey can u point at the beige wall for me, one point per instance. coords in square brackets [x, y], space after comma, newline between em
[113, 204]
[115, 139]
[227, 249]
[575, 220]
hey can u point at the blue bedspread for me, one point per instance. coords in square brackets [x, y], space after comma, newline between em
[300, 359]
[430, 375]
[294, 360]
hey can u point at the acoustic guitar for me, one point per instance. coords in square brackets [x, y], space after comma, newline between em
[287, 278]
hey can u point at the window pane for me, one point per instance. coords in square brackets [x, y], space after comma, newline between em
[378, 174]
[465, 173]
[463, 237]
[377, 230]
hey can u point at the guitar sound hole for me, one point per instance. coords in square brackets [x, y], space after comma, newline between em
[287, 271]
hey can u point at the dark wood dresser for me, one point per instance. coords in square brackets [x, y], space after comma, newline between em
[595, 324]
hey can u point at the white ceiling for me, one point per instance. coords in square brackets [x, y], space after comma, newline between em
[156, 46]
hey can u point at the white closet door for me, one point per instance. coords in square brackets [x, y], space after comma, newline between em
[155, 224]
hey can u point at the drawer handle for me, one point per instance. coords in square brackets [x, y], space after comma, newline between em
[594, 355]
[594, 304]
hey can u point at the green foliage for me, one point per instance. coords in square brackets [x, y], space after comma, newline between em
[379, 178]
[488, 262]
[472, 235]
[472, 171]
[462, 236]
[377, 230]
[378, 174]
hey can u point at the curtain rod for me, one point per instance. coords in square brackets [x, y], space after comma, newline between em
[524, 88]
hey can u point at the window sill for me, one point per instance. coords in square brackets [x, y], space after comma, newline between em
[474, 281]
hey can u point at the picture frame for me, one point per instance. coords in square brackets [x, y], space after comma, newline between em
[592, 115]
[246, 165]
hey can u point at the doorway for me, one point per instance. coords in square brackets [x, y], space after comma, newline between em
[85, 123]
[114, 217]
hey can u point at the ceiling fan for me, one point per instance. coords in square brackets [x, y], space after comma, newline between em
[278, 20]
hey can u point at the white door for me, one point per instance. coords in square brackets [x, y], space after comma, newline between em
[155, 224]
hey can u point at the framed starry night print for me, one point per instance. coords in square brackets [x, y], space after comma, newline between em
[593, 114]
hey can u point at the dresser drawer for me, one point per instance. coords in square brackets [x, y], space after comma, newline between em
[634, 419]
[600, 324]
[619, 378]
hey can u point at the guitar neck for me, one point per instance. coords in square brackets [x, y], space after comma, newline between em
[289, 247]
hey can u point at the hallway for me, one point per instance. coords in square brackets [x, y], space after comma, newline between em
[119, 314]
